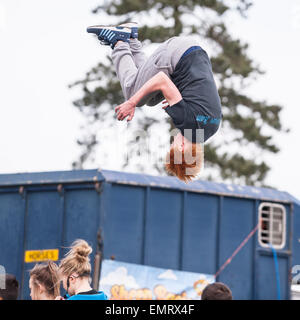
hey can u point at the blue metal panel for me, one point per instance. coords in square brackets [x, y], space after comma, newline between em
[266, 276]
[296, 236]
[12, 212]
[82, 214]
[80, 176]
[39, 178]
[255, 255]
[43, 227]
[288, 231]
[157, 221]
[162, 242]
[199, 186]
[123, 223]
[199, 242]
[236, 224]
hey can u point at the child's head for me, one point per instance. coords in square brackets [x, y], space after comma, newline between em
[184, 159]
[44, 281]
[11, 290]
[216, 291]
[76, 267]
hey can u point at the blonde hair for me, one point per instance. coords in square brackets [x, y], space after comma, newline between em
[185, 164]
[46, 274]
[77, 259]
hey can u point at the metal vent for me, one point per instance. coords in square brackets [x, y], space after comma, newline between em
[273, 225]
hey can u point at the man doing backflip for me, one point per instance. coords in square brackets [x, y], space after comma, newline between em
[180, 72]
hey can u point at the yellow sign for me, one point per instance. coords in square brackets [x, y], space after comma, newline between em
[41, 255]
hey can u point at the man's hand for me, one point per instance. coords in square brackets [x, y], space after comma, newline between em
[125, 109]
[161, 82]
[165, 104]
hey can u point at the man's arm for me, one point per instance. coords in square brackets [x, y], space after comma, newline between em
[158, 82]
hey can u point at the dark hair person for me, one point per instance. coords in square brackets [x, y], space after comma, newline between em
[11, 290]
[44, 281]
[216, 291]
[75, 273]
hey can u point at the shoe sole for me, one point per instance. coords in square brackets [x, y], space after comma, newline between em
[133, 26]
[92, 29]
[95, 29]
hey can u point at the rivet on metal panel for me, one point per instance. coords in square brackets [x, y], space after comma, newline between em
[60, 188]
[98, 187]
[21, 190]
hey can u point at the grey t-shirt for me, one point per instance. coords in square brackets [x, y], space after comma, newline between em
[200, 107]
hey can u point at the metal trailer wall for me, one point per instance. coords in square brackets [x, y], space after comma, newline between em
[296, 244]
[45, 211]
[146, 220]
[193, 232]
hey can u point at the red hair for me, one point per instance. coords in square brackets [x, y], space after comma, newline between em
[185, 164]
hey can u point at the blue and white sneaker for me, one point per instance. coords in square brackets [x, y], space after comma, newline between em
[133, 26]
[109, 35]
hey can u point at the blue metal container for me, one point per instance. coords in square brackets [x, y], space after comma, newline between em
[156, 221]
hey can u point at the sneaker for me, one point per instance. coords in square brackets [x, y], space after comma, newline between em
[134, 28]
[109, 35]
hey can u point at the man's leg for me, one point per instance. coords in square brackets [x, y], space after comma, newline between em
[132, 73]
[133, 78]
[138, 55]
[135, 45]
[123, 58]
[125, 67]
[134, 69]
[118, 38]
[147, 68]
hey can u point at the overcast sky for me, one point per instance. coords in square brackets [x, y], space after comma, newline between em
[44, 47]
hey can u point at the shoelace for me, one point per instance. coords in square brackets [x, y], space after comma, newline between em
[106, 37]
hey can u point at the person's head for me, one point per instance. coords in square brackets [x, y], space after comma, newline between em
[75, 268]
[11, 290]
[184, 159]
[216, 291]
[44, 281]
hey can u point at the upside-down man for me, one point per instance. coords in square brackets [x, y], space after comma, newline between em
[180, 72]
